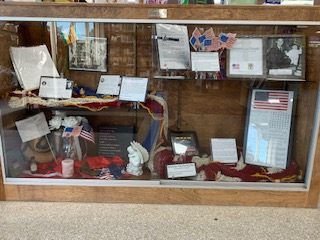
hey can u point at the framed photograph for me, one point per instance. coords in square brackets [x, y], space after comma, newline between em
[246, 58]
[285, 57]
[185, 143]
[89, 54]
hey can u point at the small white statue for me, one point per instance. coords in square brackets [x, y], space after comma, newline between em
[137, 156]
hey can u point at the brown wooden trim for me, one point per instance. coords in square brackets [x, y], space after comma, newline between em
[158, 195]
[175, 12]
[2, 195]
[314, 191]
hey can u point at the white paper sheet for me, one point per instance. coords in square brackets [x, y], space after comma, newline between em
[205, 61]
[33, 127]
[173, 46]
[224, 150]
[30, 63]
[246, 57]
[133, 89]
[109, 85]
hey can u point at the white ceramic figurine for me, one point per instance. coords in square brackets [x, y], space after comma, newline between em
[137, 156]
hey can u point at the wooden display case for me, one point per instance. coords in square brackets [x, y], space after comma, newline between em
[211, 108]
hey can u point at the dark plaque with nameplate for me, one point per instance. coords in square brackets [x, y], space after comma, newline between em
[114, 140]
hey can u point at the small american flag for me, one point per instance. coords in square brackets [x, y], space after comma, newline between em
[209, 34]
[272, 100]
[230, 42]
[194, 40]
[235, 66]
[87, 132]
[215, 45]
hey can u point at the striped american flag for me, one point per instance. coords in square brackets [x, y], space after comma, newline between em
[215, 45]
[209, 34]
[230, 42]
[87, 132]
[271, 100]
[194, 40]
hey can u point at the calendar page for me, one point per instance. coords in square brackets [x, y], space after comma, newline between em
[268, 129]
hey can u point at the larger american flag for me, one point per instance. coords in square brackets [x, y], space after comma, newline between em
[271, 100]
[87, 132]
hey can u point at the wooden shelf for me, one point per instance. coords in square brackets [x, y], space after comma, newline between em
[142, 12]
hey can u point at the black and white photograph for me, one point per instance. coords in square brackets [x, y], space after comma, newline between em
[285, 57]
[89, 54]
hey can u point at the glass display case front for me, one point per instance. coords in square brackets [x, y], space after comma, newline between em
[113, 103]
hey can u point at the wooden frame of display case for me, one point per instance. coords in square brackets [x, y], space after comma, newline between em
[167, 194]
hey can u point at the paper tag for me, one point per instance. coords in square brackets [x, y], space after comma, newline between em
[109, 85]
[181, 170]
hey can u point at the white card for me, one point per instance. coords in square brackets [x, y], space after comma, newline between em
[224, 150]
[109, 85]
[33, 127]
[181, 170]
[173, 46]
[133, 89]
[205, 61]
[51, 87]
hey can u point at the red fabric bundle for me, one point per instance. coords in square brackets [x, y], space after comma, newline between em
[249, 173]
[98, 162]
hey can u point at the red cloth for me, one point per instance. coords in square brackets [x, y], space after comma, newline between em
[161, 159]
[164, 158]
[103, 162]
[249, 173]
[93, 162]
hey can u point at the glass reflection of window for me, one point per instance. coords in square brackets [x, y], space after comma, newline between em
[83, 29]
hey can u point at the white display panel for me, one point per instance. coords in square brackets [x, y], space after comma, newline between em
[268, 128]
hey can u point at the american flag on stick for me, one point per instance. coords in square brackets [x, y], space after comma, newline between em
[272, 100]
[87, 132]
[231, 40]
[209, 34]
[194, 40]
[215, 45]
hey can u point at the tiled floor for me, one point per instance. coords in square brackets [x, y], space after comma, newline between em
[40, 220]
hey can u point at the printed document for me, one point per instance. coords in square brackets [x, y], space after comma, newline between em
[246, 57]
[173, 46]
